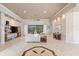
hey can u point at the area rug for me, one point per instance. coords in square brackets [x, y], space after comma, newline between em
[39, 51]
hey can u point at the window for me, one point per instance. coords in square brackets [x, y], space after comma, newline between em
[35, 29]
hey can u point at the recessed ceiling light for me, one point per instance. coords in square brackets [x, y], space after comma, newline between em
[55, 20]
[63, 16]
[45, 11]
[58, 19]
[25, 11]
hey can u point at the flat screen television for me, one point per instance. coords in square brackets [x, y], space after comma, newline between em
[14, 29]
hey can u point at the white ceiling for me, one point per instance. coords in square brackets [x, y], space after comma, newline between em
[35, 10]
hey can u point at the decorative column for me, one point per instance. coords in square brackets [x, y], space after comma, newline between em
[2, 25]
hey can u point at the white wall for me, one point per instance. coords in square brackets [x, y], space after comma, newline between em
[5, 11]
[0, 27]
[30, 37]
[70, 25]
[58, 25]
[76, 27]
[13, 22]
[66, 22]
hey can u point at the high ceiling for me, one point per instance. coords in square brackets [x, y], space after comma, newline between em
[35, 10]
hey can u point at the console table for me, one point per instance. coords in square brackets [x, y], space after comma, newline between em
[11, 36]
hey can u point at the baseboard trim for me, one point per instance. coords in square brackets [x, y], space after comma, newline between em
[72, 42]
[2, 43]
[76, 42]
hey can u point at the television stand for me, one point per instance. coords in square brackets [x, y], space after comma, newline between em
[11, 36]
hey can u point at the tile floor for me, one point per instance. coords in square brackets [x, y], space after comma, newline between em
[60, 47]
